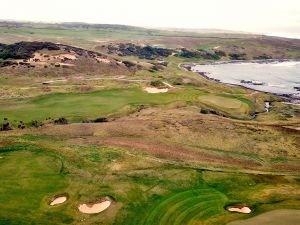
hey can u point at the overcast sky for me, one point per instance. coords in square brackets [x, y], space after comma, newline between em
[280, 17]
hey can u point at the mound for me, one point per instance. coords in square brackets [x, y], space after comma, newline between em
[50, 58]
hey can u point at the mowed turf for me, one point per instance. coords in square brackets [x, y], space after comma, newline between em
[79, 106]
[29, 178]
[187, 208]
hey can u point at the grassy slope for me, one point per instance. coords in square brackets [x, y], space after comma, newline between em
[145, 190]
[76, 107]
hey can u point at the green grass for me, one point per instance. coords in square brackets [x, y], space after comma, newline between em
[145, 191]
[79, 106]
[28, 176]
[185, 207]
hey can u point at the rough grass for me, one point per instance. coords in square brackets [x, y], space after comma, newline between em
[276, 217]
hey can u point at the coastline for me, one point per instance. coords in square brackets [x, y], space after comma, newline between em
[259, 61]
[286, 98]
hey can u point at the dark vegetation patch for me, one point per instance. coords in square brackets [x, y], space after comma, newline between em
[6, 126]
[237, 56]
[157, 83]
[147, 52]
[202, 54]
[262, 57]
[97, 120]
[24, 50]
[61, 121]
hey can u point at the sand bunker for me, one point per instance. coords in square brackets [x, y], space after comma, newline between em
[242, 209]
[94, 208]
[58, 200]
[156, 90]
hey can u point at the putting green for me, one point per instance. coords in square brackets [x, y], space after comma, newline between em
[187, 208]
[223, 102]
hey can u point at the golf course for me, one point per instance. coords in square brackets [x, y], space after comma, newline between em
[108, 124]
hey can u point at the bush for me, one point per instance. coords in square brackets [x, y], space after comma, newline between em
[262, 57]
[177, 81]
[61, 121]
[6, 126]
[21, 125]
[237, 56]
[100, 120]
[220, 53]
[35, 123]
[157, 83]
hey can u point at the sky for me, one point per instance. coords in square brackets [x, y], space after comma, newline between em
[276, 17]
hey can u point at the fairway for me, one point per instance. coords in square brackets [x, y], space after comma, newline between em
[79, 106]
[29, 178]
[187, 208]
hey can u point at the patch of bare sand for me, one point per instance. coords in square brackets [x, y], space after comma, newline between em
[241, 209]
[58, 200]
[107, 61]
[153, 90]
[67, 56]
[94, 208]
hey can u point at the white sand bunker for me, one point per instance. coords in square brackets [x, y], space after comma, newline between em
[239, 209]
[156, 90]
[58, 200]
[94, 208]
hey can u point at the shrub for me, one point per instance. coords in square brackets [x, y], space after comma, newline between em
[6, 126]
[220, 53]
[100, 120]
[237, 56]
[157, 83]
[35, 123]
[61, 120]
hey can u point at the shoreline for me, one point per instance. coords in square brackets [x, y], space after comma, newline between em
[286, 98]
[259, 61]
